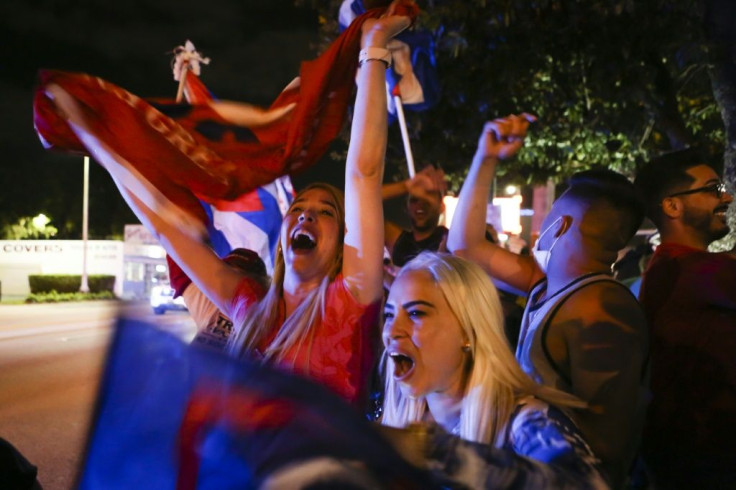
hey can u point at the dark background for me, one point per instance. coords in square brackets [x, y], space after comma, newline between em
[255, 47]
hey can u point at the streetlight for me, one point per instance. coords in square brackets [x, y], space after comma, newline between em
[39, 222]
[84, 287]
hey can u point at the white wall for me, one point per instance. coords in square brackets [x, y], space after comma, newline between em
[19, 258]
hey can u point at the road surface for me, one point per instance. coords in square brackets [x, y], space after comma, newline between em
[51, 357]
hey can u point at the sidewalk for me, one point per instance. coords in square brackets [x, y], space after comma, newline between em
[12, 299]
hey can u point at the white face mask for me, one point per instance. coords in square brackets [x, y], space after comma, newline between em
[542, 256]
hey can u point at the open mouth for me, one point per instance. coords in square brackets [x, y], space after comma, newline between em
[303, 240]
[721, 211]
[403, 365]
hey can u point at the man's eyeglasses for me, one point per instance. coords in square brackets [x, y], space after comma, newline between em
[718, 189]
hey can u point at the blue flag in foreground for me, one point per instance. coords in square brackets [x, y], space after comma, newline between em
[170, 415]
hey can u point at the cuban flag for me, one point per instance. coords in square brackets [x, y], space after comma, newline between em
[170, 415]
[413, 73]
[252, 222]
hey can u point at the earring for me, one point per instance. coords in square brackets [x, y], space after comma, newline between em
[466, 347]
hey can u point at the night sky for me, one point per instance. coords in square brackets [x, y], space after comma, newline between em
[255, 47]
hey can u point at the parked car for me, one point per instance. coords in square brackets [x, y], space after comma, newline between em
[162, 299]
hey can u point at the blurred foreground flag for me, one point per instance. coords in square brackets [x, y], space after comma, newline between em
[172, 416]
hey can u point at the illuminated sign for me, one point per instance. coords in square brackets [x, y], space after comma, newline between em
[509, 209]
[504, 213]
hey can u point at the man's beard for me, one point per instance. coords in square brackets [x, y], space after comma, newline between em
[705, 222]
[425, 225]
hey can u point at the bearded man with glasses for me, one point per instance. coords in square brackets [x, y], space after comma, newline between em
[689, 296]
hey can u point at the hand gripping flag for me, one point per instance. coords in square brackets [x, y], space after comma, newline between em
[187, 58]
[253, 221]
[171, 155]
[173, 416]
[413, 73]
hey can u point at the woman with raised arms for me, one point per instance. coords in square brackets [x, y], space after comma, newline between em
[319, 317]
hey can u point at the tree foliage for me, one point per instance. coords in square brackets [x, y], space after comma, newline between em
[611, 81]
[28, 228]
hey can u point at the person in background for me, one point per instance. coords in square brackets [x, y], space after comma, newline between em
[630, 268]
[424, 206]
[582, 331]
[689, 295]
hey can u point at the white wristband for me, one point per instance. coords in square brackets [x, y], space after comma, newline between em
[371, 53]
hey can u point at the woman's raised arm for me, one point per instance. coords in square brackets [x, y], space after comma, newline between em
[363, 253]
[213, 276]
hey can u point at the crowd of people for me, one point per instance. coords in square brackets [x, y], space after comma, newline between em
[604, 390]
[576, 398]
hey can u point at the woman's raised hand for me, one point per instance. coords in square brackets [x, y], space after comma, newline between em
[378, 32]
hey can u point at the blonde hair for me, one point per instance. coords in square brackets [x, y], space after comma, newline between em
[297, 329]
[495, 381]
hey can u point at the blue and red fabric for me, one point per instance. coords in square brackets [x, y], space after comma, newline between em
[170, 415]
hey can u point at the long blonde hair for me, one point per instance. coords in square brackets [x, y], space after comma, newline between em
[297, 329]
[495, 381]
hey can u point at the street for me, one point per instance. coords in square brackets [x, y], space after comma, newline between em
[51, 357]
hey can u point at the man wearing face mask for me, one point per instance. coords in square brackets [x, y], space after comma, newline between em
[582, 331]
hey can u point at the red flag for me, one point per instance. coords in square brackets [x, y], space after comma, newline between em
[168, 155]
[194, 90]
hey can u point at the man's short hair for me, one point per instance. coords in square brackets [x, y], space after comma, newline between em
[606, 191]
[664, 175]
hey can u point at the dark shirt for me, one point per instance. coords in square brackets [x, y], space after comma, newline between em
[406, 248]
[690, 300]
